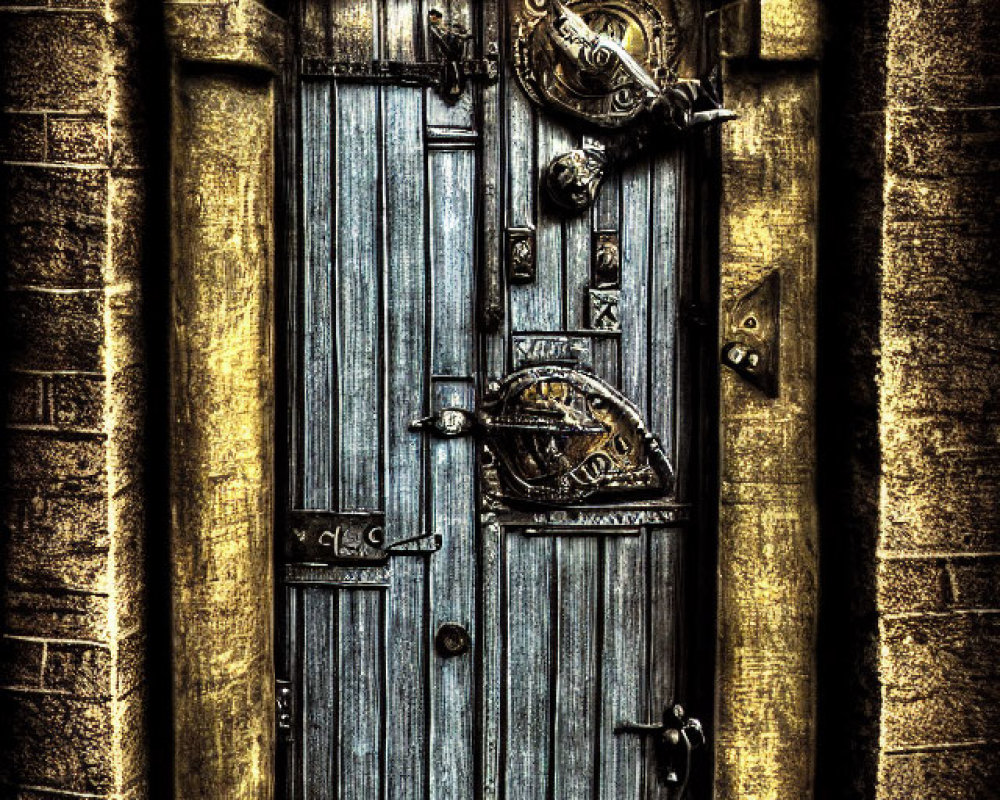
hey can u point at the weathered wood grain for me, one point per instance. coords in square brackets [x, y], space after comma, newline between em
[360, 695]
[635, 255]
[665, 640]
[529, 658]
[358, 292]
[317, 327]
[577, 688]
[622, 651]
[453, 594]
[453, 271]
[318, 683]
[663, 305]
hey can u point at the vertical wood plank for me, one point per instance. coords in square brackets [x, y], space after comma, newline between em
[319, 762]
[290, 668]
[405, 308]
[519, 115]
[539, 305]
[406, 320]
[317, 295]
[623, 666]
[578, 258]
[360, 702]
[663, 301]
[635, 284]
[400, 31]
[606, 359]
[528, 665]
[607, 207]
[577, 688]
[359, 341]
[664, 598]
[453, 236]
[491, 534]
[453, 596]
[353, 29]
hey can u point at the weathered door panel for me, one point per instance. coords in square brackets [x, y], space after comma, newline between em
[406, 303]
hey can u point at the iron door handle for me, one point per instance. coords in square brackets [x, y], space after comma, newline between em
[675, 738]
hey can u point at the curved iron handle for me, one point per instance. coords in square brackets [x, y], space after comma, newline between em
[677, 732]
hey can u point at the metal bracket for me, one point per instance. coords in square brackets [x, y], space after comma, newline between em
[753, 335]
[284, 702]
[448, 75]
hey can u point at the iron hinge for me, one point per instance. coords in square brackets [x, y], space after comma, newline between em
[446, 77]
[284, 707]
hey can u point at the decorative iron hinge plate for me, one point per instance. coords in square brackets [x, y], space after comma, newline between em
[411, 73]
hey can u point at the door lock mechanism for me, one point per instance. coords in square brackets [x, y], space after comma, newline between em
[674, 739]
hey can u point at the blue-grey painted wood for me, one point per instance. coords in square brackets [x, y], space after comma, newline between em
[453, 266]
[623, 659]
[406, 314]
[491, 561]
[665, 567]
[361, 699]
[663, 301]
[635, 214]
[405, 310]
[577, 689]
[318, 681]
[605, 349]
[317, 323]
[539, 305]
[453, 596]
[578, 236]
[358, 292]
[529, 658]
[519, 117]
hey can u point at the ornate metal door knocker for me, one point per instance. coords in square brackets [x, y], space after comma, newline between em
[558, 436]
[610, 65]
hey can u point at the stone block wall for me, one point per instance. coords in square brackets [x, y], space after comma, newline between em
[72, 619]
[912, 454]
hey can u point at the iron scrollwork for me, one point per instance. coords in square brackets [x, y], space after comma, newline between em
[610, 65]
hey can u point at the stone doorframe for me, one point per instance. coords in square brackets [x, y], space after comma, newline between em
[226, 63]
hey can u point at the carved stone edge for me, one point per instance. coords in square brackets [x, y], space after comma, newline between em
[239, 32]
[767, 615]
[771, 30]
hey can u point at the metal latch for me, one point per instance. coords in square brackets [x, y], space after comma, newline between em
[675, 737]
[284, 707]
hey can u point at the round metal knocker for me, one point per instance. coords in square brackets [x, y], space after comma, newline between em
[452, 640]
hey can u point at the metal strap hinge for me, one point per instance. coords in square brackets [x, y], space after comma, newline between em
[284, 707]
[446, 76]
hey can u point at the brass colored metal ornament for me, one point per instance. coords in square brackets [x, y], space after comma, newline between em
[609, 65]
[753, 336]
[558, 436]
[598, 61]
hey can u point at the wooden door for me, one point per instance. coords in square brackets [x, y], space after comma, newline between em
[441, 638]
